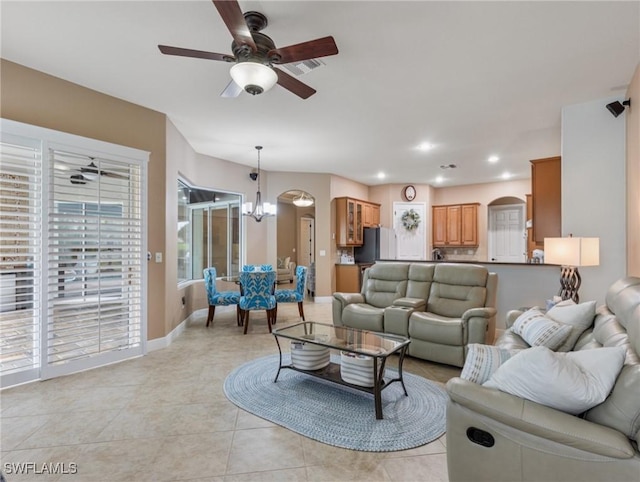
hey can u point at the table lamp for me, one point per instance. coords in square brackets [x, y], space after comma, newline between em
[570, 253]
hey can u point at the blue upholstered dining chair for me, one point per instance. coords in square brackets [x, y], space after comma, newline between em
[257, 289]
[257, 267]
[297, 295]
[218, 298]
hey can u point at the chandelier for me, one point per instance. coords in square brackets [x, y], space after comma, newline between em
[260, 210]
[303, 200]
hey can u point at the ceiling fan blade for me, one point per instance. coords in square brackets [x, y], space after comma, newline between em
[294, 85]
[231, 90]
[199, 54]
[312, 49]
[233, 18]
[114, 175]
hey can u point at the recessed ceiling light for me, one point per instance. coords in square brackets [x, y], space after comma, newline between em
[381, 175]
[425, 146]
[493, 159]
[506, 175]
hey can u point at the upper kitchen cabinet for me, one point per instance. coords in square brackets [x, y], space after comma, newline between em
[546, 198]
[455, 225]
[352, 216]
[371, 215]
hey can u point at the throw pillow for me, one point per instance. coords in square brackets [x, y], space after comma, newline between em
[571, 382]
[538, 330]
[280, 263]
[482, 361]
[579, 317]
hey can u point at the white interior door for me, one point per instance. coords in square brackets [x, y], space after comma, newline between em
[306, 242]
[410, 244]
[507, 239]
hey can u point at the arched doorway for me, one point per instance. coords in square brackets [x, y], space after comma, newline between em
[296, 228]
[507, 236]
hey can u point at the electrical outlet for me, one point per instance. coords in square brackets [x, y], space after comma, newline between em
[158, 257]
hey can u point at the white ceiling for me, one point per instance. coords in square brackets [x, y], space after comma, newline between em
[474, 79]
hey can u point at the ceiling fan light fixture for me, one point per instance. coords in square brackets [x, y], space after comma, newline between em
[254, 77]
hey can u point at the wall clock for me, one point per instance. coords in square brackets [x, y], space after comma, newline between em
[409, 192]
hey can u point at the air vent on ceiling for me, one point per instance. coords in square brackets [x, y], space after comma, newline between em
[301, 68]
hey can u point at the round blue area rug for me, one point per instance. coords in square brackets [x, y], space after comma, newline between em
[338, 415]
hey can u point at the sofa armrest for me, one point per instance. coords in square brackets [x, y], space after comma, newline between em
[486, 312]
[348, 298]
[512, 316]
[340, 302]
[539, 420]
[478, 321]
[418, 304]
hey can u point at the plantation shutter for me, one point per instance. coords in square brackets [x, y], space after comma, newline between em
[20, 257]
[95, 261]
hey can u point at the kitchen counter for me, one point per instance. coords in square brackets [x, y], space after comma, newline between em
[462, 261]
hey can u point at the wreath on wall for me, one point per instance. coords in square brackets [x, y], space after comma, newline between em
[410, 220]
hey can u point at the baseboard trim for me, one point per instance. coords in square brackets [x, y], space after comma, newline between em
[323, 299]
[165, 341]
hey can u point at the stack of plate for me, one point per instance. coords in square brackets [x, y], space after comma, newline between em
[356, 369]
[307, 356]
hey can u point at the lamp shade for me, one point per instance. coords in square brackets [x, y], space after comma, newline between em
[253, 77]
[572, 251]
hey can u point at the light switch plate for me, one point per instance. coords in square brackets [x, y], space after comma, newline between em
[158, 257]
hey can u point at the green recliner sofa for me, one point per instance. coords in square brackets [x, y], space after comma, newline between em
[441, 307]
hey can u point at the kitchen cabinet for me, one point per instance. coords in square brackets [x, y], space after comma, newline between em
[371, 215]
[546, 198]
[455, 225]
[347, 278]
[352, 216]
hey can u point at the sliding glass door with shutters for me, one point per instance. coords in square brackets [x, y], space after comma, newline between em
[92, 267]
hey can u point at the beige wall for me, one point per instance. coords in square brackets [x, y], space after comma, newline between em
[39, 99]
[287, 237]
[633, 176]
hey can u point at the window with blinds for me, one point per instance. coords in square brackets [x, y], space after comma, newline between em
[94, 252]
[72, 253]
[20, 256]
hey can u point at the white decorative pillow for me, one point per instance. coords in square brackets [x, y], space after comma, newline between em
[579, 317]
[538, 330]
[572, 382]
[482, 361]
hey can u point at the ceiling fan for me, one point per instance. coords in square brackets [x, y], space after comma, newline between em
[254, 54]
[91, 173]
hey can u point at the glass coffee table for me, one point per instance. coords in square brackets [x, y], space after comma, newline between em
[363, 356]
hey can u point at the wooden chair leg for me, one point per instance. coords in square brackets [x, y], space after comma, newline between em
[301, 310]
[246, 321]
[270, 317]
[238, 315]
[212, 310]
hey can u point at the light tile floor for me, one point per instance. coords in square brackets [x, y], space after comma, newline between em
[164, 416]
